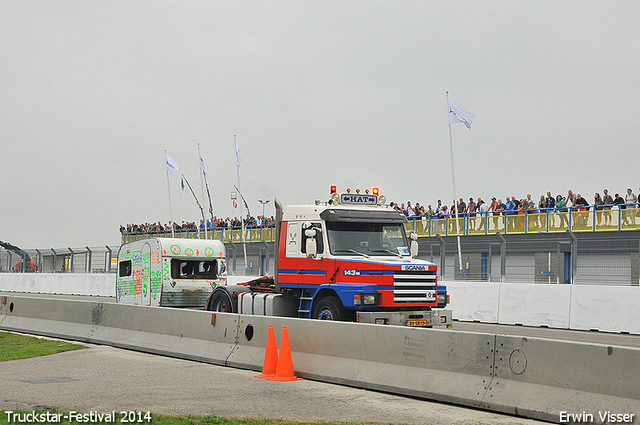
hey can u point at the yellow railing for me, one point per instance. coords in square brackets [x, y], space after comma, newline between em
[588, 220]
[252, 234]
[551, 221]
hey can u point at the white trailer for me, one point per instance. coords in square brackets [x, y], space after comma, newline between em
[170, 272]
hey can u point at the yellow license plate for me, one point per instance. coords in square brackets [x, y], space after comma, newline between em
[417, 323]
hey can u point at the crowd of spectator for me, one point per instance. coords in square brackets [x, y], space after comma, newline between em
[514, 205]
[211, 225]
[475, 207]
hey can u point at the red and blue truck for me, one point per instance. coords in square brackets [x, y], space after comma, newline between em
[347, 259]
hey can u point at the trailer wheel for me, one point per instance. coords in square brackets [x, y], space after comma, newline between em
[330, 308]
[221, 302]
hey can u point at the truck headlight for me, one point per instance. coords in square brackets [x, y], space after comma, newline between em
[442, 299]
[365, 299]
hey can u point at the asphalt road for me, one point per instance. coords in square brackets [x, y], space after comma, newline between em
[104, 379]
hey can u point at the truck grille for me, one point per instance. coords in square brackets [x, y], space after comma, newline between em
[414, 286]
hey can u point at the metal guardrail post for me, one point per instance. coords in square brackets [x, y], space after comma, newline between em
[233, 255]
[70, 269]
[431, 252]
[490, 255]
[87, 267]
[443, 256]
[39, 262]
[53, 266]
[574, 256]
[107, 258]
[559, 262]
[503, 255]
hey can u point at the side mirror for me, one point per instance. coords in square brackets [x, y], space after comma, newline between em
[414, 245]
[310, 243]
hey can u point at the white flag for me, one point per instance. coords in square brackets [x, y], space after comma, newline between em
[204, 169]
[238, 157]
[171, 164]
[460, 115]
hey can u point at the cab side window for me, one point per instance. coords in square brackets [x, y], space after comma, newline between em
[318, 237]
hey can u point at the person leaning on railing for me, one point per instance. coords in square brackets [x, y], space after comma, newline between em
[561, 203]
[582, 206]
[619, 202]
[630, 199]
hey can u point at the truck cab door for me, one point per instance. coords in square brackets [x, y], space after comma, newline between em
[288, 264]
[312, 264]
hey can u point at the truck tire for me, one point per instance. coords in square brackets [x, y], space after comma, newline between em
[221, 302]
[330, 308]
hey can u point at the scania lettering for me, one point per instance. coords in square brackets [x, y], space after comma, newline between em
[169, 272]
[347, 259]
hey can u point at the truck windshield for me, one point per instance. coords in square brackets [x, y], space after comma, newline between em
[366, 239]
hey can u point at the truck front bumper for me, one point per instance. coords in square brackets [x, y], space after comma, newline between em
[425, 319]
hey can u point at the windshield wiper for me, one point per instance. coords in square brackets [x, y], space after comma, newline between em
[352, 250]
[387, 250]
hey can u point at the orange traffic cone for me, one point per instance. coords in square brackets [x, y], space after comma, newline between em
[270, 357]
[284, 371]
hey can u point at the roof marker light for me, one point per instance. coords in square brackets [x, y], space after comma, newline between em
[376, 191]
[334, 189]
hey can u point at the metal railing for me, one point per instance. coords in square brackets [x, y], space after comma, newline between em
[64, 260]
[226, 235]
[589, 219]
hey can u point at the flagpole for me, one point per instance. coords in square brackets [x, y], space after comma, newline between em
[194, 196]
[169, 191]
[455, 197]
[206, 185]
[244, 246]
[204, 223]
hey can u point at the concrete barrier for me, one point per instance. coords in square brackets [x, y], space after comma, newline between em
[579, 307]
[606, 308]
[535, 305]
[473, 301]
[543, 378]
[95, 284]
[187, 334]
[435, 364]
[529, 377]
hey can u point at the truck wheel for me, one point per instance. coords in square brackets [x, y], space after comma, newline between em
[330, 308]
[221, 302]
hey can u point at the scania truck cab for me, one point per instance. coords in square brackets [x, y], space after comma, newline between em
[347, 259]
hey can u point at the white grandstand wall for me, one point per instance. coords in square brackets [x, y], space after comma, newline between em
[579, 307]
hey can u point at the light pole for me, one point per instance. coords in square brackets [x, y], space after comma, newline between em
[263, 204]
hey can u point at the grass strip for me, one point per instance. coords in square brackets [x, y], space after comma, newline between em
[16, 346]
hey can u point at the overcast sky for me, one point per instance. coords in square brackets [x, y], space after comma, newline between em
[345, 93]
